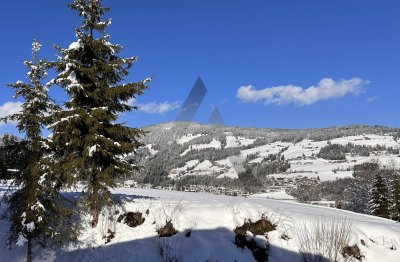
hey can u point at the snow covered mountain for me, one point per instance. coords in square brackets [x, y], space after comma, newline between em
[177, 150]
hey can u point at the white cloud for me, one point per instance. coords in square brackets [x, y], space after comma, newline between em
[154, 107]
[326, 89]
[371, 99]
[9, 108]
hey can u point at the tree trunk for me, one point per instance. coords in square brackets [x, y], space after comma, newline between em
[29, 254]
[95, 207]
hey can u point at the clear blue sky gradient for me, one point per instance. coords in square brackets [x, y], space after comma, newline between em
[231, 44]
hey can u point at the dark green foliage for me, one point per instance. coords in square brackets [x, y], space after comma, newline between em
[357, 194]
[37, 213]
[356, 197]
[395, 200]
[366, 193]
[333, 152]
[305, 192]
[272, 164]
[249, 182]
[338, 152]
[88, 139]
[379, 203]
[14, 154]
[37, 101]
[366, 172]
[348, 193]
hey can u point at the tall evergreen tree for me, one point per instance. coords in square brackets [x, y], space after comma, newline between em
[14, 154]
[395, 200]
[33, 208]
[379, 203]
[356, 197]
[88, 139]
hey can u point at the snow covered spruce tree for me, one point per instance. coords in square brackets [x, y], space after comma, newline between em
[89, 141]
[395, 199]
[33, 208]
[14, 154]
[379, 203]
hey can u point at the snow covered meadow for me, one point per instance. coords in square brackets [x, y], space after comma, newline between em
[206, 224]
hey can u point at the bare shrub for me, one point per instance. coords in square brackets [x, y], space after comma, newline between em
[260, 227]
[109, 236]
[167, 230]
[172, 210]
[132, 219]
[245, 237]
[108, 223]
[169, 242]
[352, 251]
[324, 240]
[169, 214]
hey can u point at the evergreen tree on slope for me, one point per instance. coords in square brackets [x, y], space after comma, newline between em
[356, 197]
[395, 200]
[379, 203]
[88, 139]
[33, 208]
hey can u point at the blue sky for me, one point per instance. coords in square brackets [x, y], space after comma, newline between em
[257, 58]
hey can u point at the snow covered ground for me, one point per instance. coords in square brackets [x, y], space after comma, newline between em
[233, 141]
[187, 138]
[213, 144]
[277, 195]
[368, 140]
[211, 220]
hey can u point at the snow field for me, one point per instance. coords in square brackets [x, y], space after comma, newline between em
[213, 144]
[211, 220]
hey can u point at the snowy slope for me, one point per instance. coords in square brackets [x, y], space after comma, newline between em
[213, 144]
[233, 141]
[301, 156]
[186, 138]
[179, 144]
[211, 220]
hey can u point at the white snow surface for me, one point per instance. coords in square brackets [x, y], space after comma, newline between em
[21, 241]
[186, 138]
[229, 167]
[368, 140]
[93, 149]
[177, 172]
[278, 195]
[151, 150]
[213, 144]
[30, 226]
[75, 45]
[211, 220]
[233, 141]
[265, 150]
